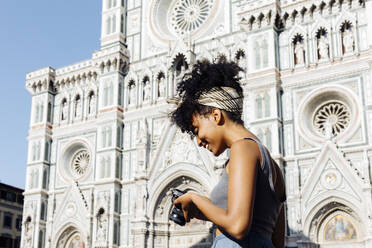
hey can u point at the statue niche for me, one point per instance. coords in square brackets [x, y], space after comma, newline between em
[322, 44]
[347, 38]
[298, 50]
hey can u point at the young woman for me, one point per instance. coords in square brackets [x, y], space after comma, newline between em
[247, 203]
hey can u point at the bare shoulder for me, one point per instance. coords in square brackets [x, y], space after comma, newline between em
[245, 150]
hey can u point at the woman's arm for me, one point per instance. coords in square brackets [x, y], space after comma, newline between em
[236, 220]
[278, 236]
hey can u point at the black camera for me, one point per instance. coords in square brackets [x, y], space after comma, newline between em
[176, 214]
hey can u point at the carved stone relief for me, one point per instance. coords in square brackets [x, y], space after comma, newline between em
[182, 149]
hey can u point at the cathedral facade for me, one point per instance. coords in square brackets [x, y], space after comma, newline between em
[103, 155]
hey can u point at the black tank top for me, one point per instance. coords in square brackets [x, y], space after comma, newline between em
[266, 204]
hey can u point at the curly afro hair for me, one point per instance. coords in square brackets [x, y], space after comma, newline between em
[203, 77]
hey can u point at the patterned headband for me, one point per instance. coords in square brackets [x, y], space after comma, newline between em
[225, 98]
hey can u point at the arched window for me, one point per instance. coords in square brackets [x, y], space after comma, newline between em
[103, 167]
[257, 55]
[50, 112]
[108, 167]
[258, 107]
[260, 135]
[108, 25]
[122, 24]
[38, 150]
[117, 201]
[33, 151]
[113, 21]
[41, 112]
[118, 167]
[267, 105]
[116, 233]
[265, 53]
[109, 136]
[43, 211]
[109, 4]
[45, 179]
[103, 136]
[108, 94]
[41, 238]
[268, 139]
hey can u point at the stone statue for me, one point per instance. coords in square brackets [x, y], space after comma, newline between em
[92, 104]
[78, 108]
[299, 53]
[132, 95]
[142, 133]
[147, 92]
[323, 47]
[348, 41]
[28, 234]
[64, 111]
[161, 87]
[102, 227]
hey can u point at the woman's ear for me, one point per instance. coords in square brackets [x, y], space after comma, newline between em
[217, 116]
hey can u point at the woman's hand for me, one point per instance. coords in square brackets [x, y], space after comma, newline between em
[188, 207]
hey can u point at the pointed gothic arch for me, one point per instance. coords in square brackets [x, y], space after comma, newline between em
[69, 235]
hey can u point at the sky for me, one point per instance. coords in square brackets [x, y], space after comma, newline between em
[36, 34]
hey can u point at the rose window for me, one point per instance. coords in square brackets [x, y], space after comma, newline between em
[80, 162]
[189, 15]
[332, 117]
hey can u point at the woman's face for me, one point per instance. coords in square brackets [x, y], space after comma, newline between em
[208, 133]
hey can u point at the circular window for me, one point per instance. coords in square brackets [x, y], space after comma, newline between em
[187, 16]
[328, 112]
[332, 117]
[75, 161]
[80, 162]
[171, 20]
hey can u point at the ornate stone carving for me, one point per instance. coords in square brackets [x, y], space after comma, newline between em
[80, 162]
[348, 41]
[331, 118]
[187, 16]
[161, 87]
[78, 108]
[64, 111]
[92, 104]
[323, 47]
[142, 134]
[132, 94]
[147, 92]
[102, 222]
[29, 232]
[299, 53]
[182, 149]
